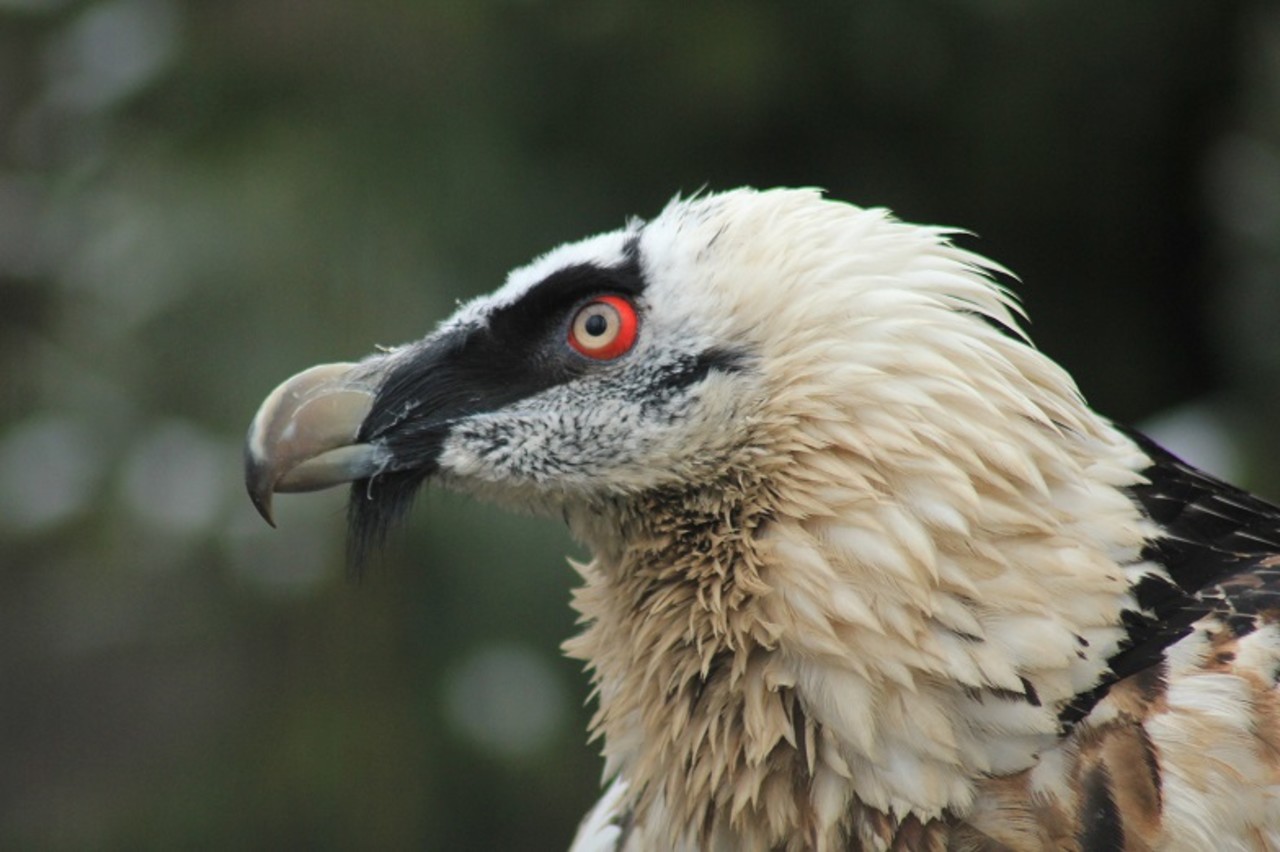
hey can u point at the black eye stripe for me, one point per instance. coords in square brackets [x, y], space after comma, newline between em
[559, 291]
[516, 354]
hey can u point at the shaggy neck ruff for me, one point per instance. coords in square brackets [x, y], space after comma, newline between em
[836, 642]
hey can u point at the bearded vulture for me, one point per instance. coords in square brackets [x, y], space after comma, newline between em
[867, 571]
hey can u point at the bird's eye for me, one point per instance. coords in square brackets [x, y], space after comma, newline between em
[604, 328]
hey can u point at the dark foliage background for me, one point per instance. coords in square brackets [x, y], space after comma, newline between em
[199, 198]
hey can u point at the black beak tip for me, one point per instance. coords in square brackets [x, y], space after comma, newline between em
[260, 484]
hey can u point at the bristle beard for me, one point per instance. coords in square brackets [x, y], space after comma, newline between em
[376, 505]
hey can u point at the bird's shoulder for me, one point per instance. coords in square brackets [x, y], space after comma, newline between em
[1182, 739]
[1216, 565]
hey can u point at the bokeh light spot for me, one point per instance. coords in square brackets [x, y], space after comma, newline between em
[506, 699]
[49, 467]
[178, 477]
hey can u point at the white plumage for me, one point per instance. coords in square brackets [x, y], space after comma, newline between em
[868, 573]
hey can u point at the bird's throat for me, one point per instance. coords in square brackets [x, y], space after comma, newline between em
[694, 707]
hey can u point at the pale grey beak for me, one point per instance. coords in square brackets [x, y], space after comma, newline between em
[304, 437]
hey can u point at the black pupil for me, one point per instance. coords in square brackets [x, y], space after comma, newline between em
[596, 325]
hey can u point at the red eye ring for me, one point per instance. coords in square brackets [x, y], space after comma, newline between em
[604, 328]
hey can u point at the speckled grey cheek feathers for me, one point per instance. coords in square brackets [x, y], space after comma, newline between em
[619, 431]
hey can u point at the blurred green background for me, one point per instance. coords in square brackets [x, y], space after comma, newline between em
[199, 198]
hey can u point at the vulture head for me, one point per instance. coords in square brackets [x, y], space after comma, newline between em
[688, 353]
[858, 547]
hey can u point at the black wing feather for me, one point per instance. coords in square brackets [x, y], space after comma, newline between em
[1221, 550]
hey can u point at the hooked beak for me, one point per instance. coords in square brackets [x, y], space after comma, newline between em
[305, 435]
